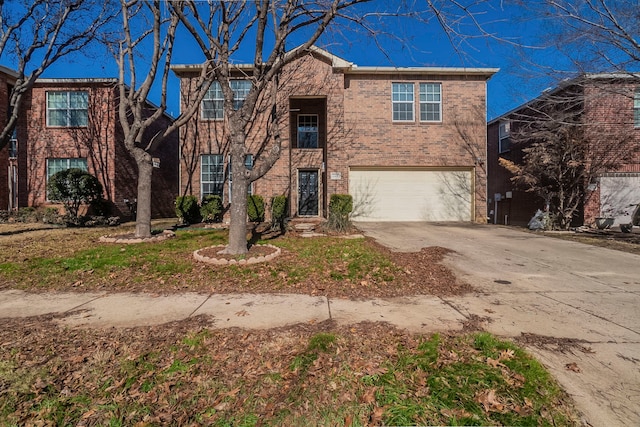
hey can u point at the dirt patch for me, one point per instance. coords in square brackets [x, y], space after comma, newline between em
[610, 239]
[557, 344]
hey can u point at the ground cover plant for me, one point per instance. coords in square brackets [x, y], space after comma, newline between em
[185, 374]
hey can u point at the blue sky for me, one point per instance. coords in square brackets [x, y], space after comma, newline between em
[406, 43]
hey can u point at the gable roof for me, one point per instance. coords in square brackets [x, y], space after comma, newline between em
[350, 68]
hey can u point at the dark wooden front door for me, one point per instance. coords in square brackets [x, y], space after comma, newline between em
[308, 193]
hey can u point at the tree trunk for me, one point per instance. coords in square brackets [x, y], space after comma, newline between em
[238, 210]
[143, 214]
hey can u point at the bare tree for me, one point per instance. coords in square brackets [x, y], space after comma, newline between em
[221, 29]
[144, 58]
[566, 144]
[34, 34]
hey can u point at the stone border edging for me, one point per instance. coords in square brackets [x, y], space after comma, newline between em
[223, 261]
[166, 234]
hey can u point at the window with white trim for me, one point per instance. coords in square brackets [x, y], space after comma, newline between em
[13, 144]
[636, 108]
[307, 131]
[504, 136]
[430, 102]
[402, 102]
[213, 101]
[68, 109]
[211, 174]
[55, 165]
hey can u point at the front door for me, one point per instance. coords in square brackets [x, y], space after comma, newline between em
[308, 193]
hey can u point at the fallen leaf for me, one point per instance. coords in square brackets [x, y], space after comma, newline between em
[489, 401]
[573, 366]
[242, 313]
[506, 355]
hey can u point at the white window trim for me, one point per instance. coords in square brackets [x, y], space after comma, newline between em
[636, 108]
[439, 103]
[235, 97]
[317, 131]
[202, 195]
[502, 136]
[68, 124]
[413, 103]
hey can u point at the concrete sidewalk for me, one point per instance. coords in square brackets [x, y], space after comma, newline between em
[98, 310]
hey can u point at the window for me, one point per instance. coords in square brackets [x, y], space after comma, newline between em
[430, 102]
[308, 131]
[636, 108]
[248, 163]
[211, 174]
[56, 165]
[213, 102]
[13, 145]
[402, 102]
[67, 109]
[504, 137]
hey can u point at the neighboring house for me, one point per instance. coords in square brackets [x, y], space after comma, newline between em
[409, 144]
[67, 123]
[607, 109]
[8, 163]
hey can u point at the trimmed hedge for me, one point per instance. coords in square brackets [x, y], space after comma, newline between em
[278, 212]
[187, 209]
[211, 208]
[255, 208]
[340, 206]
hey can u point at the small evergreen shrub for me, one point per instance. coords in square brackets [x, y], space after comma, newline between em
[73, 187]
[211, 208]
[340, 206]
[278, 212]
[255, 208]
[187, 209]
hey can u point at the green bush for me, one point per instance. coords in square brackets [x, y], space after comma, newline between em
[278, 212]
[255, 208]
[72, 187]
[340, 206]
[187, 209]
[211, 208]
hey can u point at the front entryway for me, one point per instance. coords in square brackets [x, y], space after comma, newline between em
[308, 193]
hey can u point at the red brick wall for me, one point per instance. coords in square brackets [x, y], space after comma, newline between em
[4, 152]
[359, 131]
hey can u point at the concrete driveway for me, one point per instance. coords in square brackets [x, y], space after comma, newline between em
[577, 306]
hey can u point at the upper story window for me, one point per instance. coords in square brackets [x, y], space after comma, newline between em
[402, 102]
[307, 131]
[213, 101]
[430, 102]
[636, 108]
[504, 136]
[67, 109]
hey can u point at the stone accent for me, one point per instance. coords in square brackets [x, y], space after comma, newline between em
[131, 239]
[248, 261]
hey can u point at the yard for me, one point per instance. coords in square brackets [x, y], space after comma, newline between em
[186, 373]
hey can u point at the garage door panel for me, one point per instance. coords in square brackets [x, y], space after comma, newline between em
[618, 196]
[411, 195]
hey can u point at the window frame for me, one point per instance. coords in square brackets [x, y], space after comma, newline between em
[68, 160]
[215, 95]
[636, 108]
[317, 130]
[504, 133]
[214, 174]
[67, 108]
[397, 102]
[426, 102]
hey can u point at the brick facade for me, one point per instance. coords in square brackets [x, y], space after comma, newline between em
[7, 163]
[354, 109]
[607, 117]
[100, 143]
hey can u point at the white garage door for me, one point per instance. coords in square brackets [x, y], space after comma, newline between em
[411, 194]
[619, 193]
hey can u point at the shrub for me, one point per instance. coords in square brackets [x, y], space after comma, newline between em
[72, 187]
[340, 206]
[278, 212]
[255, 208]
[187, 209]
[27, 214]
[211, 209]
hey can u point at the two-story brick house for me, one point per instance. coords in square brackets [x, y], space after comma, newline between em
[606, 107]
[67, 123]
[407, 143]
